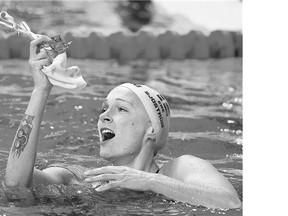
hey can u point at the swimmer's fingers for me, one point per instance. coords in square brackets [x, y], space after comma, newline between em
[123, 177]
[107, 169]
[103, 177]
[40, 60]
[42, 55]
[38, 65]
[109, 179]
[35, 43]
[37, 61]
[110, 185]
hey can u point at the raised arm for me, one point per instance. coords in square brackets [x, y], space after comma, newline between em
[20, 165]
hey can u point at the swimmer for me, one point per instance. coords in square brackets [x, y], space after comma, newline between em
[133, 127]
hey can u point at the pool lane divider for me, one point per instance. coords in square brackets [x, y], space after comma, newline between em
[142, 45]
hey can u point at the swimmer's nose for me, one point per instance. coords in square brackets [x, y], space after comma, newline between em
[104, 117]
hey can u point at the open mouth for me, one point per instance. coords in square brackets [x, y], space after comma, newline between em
[107, 134]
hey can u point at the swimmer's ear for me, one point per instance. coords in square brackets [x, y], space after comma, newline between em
[151, 134]
[150, 139]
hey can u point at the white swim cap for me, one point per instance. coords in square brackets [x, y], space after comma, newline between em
[157, 109]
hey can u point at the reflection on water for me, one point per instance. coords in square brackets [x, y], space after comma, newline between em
[206, 106]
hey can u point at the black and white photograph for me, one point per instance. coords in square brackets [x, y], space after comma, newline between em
[121, 107]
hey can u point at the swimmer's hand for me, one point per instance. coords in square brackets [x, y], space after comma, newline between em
[37, 60]
[119, 177]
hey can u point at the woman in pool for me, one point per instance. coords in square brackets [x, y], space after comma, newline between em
[133, 127]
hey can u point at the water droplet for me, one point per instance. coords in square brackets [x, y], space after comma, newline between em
[231, 89]
[78, 107]
[239, 141]
[227, 105]
[238, 132]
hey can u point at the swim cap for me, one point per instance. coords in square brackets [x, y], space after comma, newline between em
[157, 109]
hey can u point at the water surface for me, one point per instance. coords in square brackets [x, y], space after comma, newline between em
[206, 106]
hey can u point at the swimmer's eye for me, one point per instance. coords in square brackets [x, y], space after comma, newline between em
[102, 110]
[121, 109]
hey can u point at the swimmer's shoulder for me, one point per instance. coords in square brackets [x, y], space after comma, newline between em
[191, 169]
[187, 166]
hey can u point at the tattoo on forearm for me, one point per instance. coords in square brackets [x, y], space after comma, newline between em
[22, 135]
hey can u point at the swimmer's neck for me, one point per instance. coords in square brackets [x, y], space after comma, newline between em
[144, 161]
[151, 167]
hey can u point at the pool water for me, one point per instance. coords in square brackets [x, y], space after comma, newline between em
[206, 106]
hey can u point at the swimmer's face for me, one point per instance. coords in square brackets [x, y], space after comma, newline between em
[122, 126]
